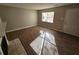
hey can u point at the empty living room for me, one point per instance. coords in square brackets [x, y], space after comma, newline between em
[39, 29]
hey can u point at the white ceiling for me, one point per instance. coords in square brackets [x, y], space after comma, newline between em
[34, 6]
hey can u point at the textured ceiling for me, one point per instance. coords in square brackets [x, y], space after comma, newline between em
[34, 6]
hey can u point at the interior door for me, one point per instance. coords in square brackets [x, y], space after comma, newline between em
[71, 23]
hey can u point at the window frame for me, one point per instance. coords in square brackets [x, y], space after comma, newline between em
[48, 17]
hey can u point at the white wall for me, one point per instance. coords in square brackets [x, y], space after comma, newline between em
[71, 23]
[18, 18]
[0, 27]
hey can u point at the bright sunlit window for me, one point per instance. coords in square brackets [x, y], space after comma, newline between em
[48, 17]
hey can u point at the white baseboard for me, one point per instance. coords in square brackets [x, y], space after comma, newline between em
[19, 28]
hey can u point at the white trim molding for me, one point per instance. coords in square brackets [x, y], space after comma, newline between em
[20, 28]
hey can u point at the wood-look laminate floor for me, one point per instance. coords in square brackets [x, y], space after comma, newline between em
[66, 44]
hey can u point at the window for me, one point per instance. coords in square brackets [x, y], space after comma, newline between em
[48, 17]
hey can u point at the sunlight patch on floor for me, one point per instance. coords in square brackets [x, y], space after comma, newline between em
[16, 48]
[44, 44]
